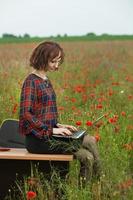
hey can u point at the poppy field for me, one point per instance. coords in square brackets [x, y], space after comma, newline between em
[95, 79]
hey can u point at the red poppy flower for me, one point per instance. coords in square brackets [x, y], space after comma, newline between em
[73, 108]
[78, 123]
[123, 113]
[115, 83]
[73, 100]
[99, 106]
[79, 89]
[31, 195]
[130, 97]
[97, 137]
[89, 123]
[113, 119]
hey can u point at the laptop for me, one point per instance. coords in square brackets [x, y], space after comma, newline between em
[78, 134]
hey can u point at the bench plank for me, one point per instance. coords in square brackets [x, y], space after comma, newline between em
[23, 154]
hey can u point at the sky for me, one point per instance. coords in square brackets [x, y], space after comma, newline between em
[71, 17]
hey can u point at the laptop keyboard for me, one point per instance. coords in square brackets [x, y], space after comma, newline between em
[75, 135]
[78, 134]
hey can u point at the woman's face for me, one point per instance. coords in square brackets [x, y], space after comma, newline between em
[53, 64]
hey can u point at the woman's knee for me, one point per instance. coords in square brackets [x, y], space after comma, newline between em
[84, 155]
[88, 140]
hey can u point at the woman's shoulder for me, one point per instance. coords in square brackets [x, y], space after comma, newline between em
[30, 79]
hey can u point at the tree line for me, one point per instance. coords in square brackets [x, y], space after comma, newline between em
[90, 34]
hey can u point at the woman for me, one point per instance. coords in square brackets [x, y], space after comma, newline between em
[38, 111]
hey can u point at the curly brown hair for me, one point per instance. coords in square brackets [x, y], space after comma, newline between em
[45, 52]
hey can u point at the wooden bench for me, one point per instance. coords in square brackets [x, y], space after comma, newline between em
[22, 154]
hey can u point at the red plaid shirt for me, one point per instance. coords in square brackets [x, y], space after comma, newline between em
[38, 110]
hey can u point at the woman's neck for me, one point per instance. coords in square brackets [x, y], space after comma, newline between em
[40, 73]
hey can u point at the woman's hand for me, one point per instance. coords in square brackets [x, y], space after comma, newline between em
[62, 131]
[70, 127]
